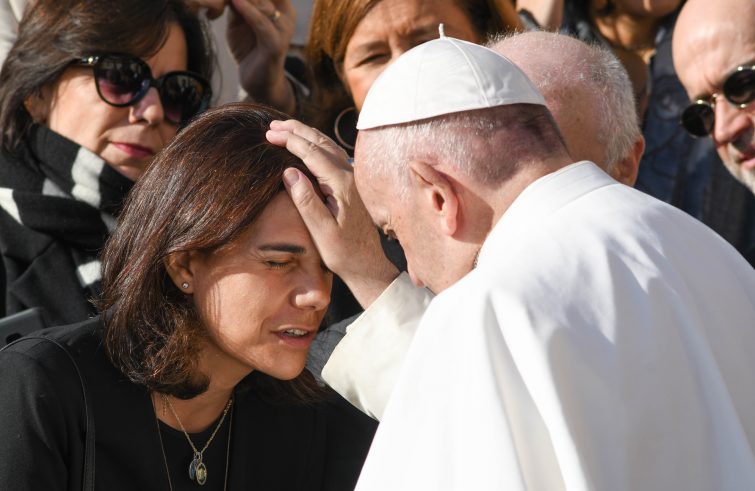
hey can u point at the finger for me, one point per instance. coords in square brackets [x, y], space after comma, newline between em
[214, 7]
[285, 6]
[260, 19]
[316, 216]
[311, 134]
[323, 164]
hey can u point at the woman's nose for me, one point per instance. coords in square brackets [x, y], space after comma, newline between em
[149, 108]
[314, 293]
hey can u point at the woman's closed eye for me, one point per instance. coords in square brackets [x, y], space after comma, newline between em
[278, 264]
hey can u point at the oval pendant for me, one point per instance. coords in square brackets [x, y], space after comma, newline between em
[201, 473]
[193, 469]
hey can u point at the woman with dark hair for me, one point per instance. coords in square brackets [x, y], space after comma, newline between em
[212, 294]
[89, 93]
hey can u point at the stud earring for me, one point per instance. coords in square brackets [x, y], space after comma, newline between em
[184, 285]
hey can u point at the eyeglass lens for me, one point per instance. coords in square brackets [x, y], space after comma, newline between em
[739, 89]
[122, 81]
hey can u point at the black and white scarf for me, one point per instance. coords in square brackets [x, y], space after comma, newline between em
[59, 203]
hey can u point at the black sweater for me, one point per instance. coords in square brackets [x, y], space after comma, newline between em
[283, 446]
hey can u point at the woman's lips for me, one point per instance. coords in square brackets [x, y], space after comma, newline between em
[296, 341]
[747, 161]
[133, 150]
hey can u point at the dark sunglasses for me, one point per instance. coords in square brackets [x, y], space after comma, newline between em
[123, 80]
[739, 89]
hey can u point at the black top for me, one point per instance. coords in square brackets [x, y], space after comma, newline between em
[273, 446]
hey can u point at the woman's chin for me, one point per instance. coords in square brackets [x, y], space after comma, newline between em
[285, 370]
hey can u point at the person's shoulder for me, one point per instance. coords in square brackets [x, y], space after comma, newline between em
[52, 342]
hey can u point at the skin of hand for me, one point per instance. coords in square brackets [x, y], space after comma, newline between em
[259, 45]
[341, 228]
[214, 7]
[547, 13]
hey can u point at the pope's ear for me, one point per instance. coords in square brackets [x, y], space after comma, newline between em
[180, 268]
[435, 190]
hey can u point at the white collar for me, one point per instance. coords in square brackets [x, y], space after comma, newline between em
[539, 199]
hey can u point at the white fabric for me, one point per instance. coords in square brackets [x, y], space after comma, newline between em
[366, 362]
[11, 12]
[605, 341]
[8, 203]
[89, 273]
[444, 76]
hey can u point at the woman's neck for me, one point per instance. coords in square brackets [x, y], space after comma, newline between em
[198, 413]
[195, 414]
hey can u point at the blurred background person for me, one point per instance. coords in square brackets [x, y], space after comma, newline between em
[87, 98]
[714, 54]
[213, 291]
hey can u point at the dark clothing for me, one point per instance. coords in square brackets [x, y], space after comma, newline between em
[273, 446]
[57, 204]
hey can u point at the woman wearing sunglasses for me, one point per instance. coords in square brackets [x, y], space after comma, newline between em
[89, 93]
[212, 293]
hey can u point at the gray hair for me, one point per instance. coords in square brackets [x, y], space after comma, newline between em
[561, 66]
[489, 145]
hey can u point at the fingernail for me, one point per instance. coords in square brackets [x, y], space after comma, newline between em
[290, 176]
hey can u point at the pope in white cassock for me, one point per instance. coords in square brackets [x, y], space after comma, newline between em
[584, 335]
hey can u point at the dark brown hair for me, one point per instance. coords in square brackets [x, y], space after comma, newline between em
[333, 23]
[53, 33]
[202, 191]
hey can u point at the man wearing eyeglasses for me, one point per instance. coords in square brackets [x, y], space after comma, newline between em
[714, 57]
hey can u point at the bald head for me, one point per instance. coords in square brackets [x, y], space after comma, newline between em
[589, 94]
[712, 39]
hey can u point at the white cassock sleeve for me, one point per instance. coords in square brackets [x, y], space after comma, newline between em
[365, 365]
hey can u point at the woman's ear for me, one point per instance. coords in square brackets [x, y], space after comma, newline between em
[38, 105]
[179, 268]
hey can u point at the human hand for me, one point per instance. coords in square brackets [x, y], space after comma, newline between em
[214, 7]
[341, 228]
[259, 34]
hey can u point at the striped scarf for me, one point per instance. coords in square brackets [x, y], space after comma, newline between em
[58, 204]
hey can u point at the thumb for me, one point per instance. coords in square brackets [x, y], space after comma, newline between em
[313, 211]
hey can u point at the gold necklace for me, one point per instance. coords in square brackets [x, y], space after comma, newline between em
[197, 468]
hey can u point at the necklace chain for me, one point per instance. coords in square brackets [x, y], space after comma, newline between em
[188, 438]
[197, 468]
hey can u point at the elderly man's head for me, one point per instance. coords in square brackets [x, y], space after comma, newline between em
[589, 94]
[439, 185]
[712, 41]
[450, 134]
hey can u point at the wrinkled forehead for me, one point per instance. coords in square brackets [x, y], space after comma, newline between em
[705, 55]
